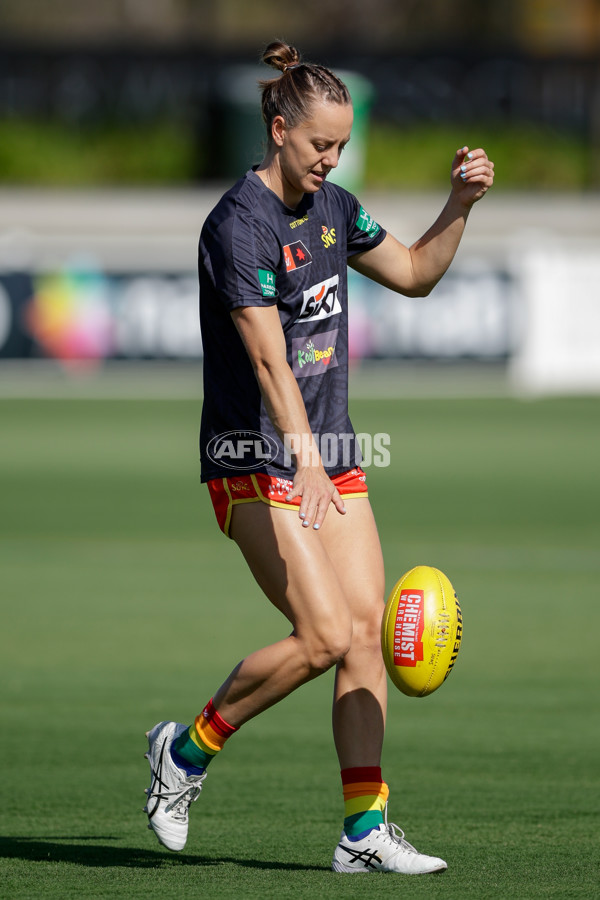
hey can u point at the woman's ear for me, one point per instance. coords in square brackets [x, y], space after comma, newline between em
[278, 131]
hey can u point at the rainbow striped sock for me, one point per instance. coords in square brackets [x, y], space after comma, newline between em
[365, 796]
[203, 740]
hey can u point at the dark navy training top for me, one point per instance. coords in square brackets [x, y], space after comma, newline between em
[255, 251]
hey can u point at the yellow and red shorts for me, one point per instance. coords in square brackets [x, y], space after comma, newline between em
[226, 493]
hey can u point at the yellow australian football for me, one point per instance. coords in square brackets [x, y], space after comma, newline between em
[421, 631]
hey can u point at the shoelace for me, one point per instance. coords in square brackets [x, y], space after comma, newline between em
[180, 805]
[395, 835]
[181, 799]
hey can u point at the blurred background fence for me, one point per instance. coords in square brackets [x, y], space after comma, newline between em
[121, 124]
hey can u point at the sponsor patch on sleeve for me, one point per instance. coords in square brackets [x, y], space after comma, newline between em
[267, 283]
[367, 224]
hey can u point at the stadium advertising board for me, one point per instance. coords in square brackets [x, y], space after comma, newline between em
[82, 313]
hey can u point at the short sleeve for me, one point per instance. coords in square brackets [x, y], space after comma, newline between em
[364, 233]
[245, 255]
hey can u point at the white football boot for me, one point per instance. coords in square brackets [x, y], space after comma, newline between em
[171, 790]
[384, 849]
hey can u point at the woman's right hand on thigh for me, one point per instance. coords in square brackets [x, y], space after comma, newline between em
[317, 491]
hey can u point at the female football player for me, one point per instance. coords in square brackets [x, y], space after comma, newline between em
[274, 316]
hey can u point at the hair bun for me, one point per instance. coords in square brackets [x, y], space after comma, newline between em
[281, 56]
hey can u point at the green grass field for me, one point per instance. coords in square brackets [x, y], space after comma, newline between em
[122, 604]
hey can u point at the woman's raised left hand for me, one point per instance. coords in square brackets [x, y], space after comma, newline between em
[472, 175]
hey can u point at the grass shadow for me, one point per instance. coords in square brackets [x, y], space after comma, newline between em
[82, 852]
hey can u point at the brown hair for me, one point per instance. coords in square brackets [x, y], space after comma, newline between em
[293, 93]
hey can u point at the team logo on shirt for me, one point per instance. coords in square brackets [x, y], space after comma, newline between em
[321, 300]
[328, 236]
[296, 256]
[314, 355]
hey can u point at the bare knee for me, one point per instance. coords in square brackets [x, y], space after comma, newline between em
[325, 651]
[370, 630]
[366, 631]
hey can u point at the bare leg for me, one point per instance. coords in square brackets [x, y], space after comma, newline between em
[287, 562]
[360, 693]
[338, 624]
